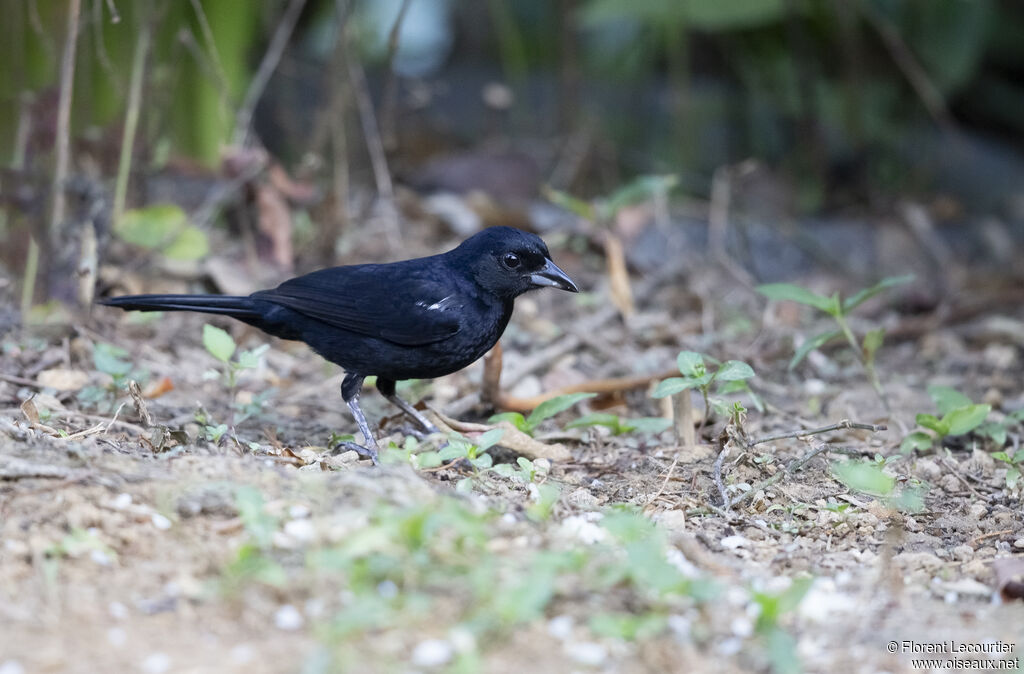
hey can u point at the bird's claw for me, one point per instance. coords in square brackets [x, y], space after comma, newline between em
[362, 450]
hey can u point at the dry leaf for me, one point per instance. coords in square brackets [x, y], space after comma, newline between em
[62, 379]
[28, 408]
[139, 403]
[157, 388]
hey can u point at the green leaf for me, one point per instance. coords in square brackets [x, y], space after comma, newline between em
[163, 227]
[795, 293]
[514, 418]
[872, 342]
[966, 419]
[550, 408]
[782, 651]
[489, 439]
[948, 399]
[672, 386]
[218, 342]
[856, 300]
[691, 363]
[429, 460]
[638, 191]
[627, 626]
[940, 426]
[910, 499]
[918, 440]
[504, 469]
[1012, 476]
[191, 244]
[864, 476]
[811, 344]
[596, 419]
[570, 203]
[250, 359]
[734, 370]
[647, 424]
[108, 359]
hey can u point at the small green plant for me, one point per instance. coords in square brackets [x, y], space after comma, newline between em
[1015, 465]
[959, 416]
[869, 477]
[730, 377]
[545, 410]
[110, 360]
[782, 652]
[839, 309]
[222, 346]
[460, 447]
[527, 471]
[619, 425]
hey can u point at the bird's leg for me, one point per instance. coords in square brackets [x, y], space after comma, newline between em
[387, 389]
[350, 388]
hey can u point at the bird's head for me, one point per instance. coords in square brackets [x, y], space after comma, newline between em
[508, 262]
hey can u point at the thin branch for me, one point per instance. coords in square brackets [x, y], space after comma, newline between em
[791, 468]
[211, 46]
[839, 425]
[912, 69]
[269, 63]
[131, 119]
[67, 83]
[389, 103]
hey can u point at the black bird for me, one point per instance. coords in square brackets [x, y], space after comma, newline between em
[415, 319]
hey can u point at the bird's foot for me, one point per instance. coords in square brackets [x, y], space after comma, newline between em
[367, 452]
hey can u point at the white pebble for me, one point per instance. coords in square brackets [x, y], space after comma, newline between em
[432, 653]
[117, 637]
[560, 627]
[587, 653]
[300, 530]
[122, 501]
[733, 542]
[117, 610]
[299, 511]
[242, 654]
[288, 618]
[11, 667]
[161, 522]
[156, 663]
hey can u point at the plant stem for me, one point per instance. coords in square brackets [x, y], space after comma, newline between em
[131, 119]
[869, 368]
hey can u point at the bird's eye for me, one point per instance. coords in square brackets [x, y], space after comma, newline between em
[511, 260]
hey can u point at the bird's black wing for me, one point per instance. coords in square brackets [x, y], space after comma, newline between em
[406, 304]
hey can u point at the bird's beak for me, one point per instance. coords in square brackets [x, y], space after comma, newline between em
[551, 275]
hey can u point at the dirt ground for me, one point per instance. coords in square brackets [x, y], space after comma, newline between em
[129, 546]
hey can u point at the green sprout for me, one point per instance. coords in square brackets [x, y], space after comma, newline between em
[959, 416]
[731, 377]
[839, 309]
[545, 410]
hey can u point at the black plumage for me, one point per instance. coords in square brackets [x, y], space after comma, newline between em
[415, 319]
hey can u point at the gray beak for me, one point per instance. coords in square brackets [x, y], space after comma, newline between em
[551, 275]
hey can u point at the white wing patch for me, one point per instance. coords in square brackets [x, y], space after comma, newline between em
[440, 305]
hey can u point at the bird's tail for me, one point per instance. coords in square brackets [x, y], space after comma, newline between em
[225, 305]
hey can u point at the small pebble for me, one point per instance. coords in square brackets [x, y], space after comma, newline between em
[117, 637]
[587, 653]
[1019, 544]
[242, 654]
[161, 522]
[301, 530]
[288, 618]
[11, 667]
[122, 501]
[117, 610]
[560, 627]
[432, 653]
[156, 663]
